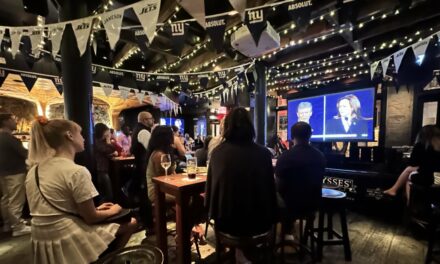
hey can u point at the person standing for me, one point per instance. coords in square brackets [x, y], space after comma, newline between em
[12, 176]
[139, 145]
[124, 140]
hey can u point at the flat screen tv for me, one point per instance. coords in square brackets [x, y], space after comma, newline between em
[171, 121]
[342, 116]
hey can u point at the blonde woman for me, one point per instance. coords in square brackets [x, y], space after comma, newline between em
[60, 195]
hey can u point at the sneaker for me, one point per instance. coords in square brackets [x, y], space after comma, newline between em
[20, 230]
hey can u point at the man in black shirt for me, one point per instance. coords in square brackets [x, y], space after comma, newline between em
[12, 176]
[300, 172]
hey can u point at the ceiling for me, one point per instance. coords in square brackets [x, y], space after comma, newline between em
[306, 45]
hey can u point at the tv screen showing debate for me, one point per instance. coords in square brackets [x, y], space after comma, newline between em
[343, 116]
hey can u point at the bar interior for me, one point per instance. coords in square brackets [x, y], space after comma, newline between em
[227, 131]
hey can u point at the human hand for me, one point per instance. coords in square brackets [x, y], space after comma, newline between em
[105, 206]
[115, 154]
[115, 209]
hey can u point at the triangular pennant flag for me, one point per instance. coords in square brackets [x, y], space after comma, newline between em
[3, 75]
[153, 99]
[141, 39]
[95, 46]
[162, 78]
[140, 95]
[2, 33]
[58, 82]
[373, 68]
[177, 32]
[300, 11]
[398, 57]
[256, 22]
[124, 91]
[147, 12]
[216, 27]
[222, 76]
[15, 36]
[116, 76]
[203, 79]
[56, 35]
[419, 49]
[29, 80]
[196, 8]
[184, 82]
[385, 63]
[35, 37]
[107, 88]
[239, 6]
[82, 29]
[112, 22]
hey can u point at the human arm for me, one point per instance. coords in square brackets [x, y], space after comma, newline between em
[17, 147]
[144, 137]
[179, 146]
[93, 215]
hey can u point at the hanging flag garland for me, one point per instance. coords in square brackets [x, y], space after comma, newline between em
[55, 36]
[300, 11]
[28, 80]
[215, 27]
[82, 29]
[196, 8]
[15, 36]
[148, 12]
[177, 33]
[256, 23]
[419, 49]
[112, 22]
[239, 6]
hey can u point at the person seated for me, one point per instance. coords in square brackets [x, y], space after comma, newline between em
[160, 147]
[240, 188]
[202, 153]
[104, 152]
[65, 221]
[300, 172]
[425, 159]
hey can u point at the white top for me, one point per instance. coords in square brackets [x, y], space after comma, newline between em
[64, 183]
[144, 137]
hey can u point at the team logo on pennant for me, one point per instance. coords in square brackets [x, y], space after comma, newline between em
[177, 29]
[140, 77]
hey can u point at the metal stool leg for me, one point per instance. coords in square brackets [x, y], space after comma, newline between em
[320, 234]
[345, 237]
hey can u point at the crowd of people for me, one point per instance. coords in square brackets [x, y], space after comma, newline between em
[242, 195]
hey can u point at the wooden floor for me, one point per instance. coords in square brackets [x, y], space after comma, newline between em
[374, 240]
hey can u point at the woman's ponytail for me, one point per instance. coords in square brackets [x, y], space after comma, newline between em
[39, 149]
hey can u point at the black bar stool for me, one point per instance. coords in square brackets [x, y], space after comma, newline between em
[135, 254]
[333, 202]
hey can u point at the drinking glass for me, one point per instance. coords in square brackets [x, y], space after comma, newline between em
[191, 167]
[165, 162]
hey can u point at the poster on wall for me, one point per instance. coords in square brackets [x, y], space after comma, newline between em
[429, 113]
[282, 124]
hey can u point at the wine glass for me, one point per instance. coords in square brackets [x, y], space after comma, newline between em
[165, 162]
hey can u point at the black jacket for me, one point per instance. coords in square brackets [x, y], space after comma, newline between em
[335, 126]
[240, 189]
[12, 155]
[137, 149]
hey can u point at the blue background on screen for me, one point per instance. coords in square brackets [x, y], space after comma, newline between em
[316, 120]
[170, 121]
[321, 115]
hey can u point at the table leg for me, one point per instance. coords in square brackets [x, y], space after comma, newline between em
[160, 222]
[183, 230]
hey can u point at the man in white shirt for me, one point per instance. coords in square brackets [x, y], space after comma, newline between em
[139, 145]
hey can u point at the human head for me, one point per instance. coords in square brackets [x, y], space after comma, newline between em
[304, 112]
[8, 121]
[206, 142]
[175, 130]
[428, 136]
[146, 119]
[238, 127]
[349, 106]
[161, 139]
[51, 136]
[300, 132]
[101, 131]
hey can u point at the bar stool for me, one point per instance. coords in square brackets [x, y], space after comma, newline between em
[333, 201]
[263, 241]
[143, 253]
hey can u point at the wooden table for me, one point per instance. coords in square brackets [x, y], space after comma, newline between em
[182, 189]
[121, 169]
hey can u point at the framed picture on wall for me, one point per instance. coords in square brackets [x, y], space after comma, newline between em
[430, 110]
[282, 124]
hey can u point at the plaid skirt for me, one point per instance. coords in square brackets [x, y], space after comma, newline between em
[67, 239]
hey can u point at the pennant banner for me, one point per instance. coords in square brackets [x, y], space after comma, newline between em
[15, 36]
[58, 82]
[398, 57]
[56, 35]
[385, 62]
[141, 39]
[222, 76]
[216, 27]
[419, 49]
[82, 29]
[147, 12]
[107, 88]
[239, 6]
[35, 37]
[116, 76]
[204, 79]
[112, 22]
[256, 22]
[177, 32]
[125, 91]
[28, 80]
[140, 95]
[184, 82]
[300, 11]
[196, 8]
[373, 68]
